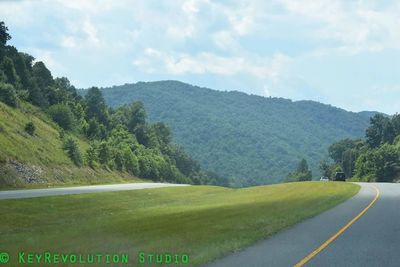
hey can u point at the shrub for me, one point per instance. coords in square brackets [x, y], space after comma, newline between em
[63, 116]
[8, 94]
[30, 128]
[91, 157]
[72, 149]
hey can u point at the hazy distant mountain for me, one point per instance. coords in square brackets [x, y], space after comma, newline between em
[248, 138]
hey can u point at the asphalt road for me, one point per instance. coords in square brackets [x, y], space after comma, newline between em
[28, 193]
[372, 240]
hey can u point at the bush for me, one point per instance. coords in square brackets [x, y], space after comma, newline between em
[91, 157]
[72, 149]
[30, 128]
[8, 94]
[63, 116]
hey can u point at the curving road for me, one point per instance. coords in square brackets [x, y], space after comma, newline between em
[372, 240]
[28, 193]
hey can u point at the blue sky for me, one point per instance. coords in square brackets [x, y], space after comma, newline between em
[345, 53]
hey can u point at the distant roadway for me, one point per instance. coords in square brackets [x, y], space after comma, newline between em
[28, 193]
[363, 231]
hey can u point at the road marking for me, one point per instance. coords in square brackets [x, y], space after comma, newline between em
[341, 231]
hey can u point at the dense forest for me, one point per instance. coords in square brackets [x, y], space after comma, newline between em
[120, 139]
[375, 159]
[248, 138]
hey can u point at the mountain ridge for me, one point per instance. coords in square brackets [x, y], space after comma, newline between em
[249, 138]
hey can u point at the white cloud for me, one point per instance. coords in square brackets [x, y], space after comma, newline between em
[354, 25]
[209, 63]
[258, 46]
[91, 32]
[68, 42]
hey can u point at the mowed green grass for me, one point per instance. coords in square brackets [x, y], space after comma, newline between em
[205, 222]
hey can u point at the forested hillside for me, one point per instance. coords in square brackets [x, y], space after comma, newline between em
[375, 159]
[51, 134]
[247, 138]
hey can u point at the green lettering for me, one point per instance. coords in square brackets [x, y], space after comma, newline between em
[21, 257]
[168, 258]
[150, 258]
[125, 258]
[185, 259]
[38, 257]
[29, 258]
[56, 258]
[107, 258]
[72, 258]
[142, 258]
[64, 258]
[98, 258]
[115, 258]
[159, 258]
[90, 258]
[47, 257]
[81, 260]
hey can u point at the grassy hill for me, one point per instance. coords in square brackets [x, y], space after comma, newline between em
[248, 138]
[39, 160]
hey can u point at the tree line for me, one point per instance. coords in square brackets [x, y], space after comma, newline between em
[120, 139]
[375, 159]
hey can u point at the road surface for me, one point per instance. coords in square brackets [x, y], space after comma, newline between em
[372, 240]
[28, 193]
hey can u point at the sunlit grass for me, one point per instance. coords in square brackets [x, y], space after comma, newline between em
[205, 222]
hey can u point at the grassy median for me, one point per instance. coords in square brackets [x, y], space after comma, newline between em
[204, 222]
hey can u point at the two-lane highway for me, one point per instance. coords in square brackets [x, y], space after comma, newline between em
[363, 231]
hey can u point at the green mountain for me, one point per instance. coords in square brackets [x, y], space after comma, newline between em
[247, 138]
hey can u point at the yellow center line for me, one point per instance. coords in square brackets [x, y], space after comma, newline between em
[341, 231]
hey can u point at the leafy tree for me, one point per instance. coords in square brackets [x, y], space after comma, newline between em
[36, 96]
[326, 169]
[119, 161]
[23, 67]
[63, 116]
[42, 75]
[93, 129]
[104, 153]
[374, 133]
[348, 162]
[4, 36]
[388, 133]
[163, 133]
[7, 66]
[337, 149]
[8, 94]
[91, 156]
[96, 107]
[30, 128]
[72, 149]
[302, 173]
[146, 136]
[131, 162]
[137, 116]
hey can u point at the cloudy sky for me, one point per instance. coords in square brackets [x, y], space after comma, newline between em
[345, 53]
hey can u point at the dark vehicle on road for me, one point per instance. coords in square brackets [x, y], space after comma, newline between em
[340, 176]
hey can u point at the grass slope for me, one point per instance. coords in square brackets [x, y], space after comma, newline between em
[205, 222]
[40, 158]
[249, 138]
